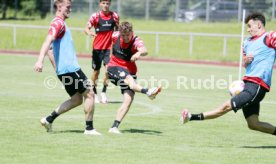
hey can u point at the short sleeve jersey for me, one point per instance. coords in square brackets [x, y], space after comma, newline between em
[115, 61]
[102, 41]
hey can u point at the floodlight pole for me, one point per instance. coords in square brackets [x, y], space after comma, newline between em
[241, 48]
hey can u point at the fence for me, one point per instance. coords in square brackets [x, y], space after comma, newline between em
[191, 36]
[179, 10]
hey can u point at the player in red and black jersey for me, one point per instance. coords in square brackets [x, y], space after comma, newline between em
[126, 49]
[104, 23]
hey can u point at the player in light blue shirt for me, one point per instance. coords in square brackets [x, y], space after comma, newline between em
[259, 58]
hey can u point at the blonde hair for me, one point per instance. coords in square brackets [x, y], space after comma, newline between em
[59, 1]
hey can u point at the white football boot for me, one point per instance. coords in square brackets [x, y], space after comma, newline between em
[114, 130]
[92, 132]
[185, 116]
[103, 98]
[46, 124]
[152, 92]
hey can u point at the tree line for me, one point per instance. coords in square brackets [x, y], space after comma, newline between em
[159, 9]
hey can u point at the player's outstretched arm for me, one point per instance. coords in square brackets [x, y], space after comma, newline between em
[142, 51]
[51, 57]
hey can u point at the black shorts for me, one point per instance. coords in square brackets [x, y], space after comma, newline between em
[117, 76]
[249, 99]
[75, 82]
[99, 56]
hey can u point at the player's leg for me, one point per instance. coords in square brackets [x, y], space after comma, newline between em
[151, 93]
[96, 66]
[122, 111]
[252, 110]
[251, 114]
[89, 108]
[236, 103]
[254, 124]
[105, 59]
[84, 88]
[68, 81]
[219, 111]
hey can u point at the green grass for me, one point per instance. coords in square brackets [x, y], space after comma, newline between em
[148, 137]
[177, 47]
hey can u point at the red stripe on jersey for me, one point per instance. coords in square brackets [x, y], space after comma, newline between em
[57, 28]
[257, 81]
[271, 39]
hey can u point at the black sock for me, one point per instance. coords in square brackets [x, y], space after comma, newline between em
[274, 132]
[52, 117]
[116, 124]
[89, 125]
[144, 90]
[104, 88]
[94, 89]
[197, 116]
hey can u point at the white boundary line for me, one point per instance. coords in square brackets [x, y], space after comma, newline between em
[153, 109]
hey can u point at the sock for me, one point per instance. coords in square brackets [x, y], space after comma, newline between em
[197, 116]
[116, 124]
[89, 125]
[52, 117]
[104, 88]
[144, 90]
[274, 132]
[94, 89]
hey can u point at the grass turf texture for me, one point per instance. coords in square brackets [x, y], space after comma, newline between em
[151, 130]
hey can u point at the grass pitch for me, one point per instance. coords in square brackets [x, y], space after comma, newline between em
[151, 130]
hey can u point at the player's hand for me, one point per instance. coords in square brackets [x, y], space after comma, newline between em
[248, 59]
[135, 57]
[38, 67]
[92, 34]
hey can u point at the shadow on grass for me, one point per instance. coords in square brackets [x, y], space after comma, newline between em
[67, 131]
[114, 101]
[259, 147]
[142, 131]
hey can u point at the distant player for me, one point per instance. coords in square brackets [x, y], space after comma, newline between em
[104, 22]
[126, 49]
[259, 57]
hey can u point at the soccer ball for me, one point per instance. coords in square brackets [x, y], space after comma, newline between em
[236, 87]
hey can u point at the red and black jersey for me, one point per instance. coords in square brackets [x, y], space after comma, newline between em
[104, 26]
[122, 52]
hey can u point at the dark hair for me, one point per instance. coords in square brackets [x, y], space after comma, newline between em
[105, 0]
[255, 16]
[125, 27]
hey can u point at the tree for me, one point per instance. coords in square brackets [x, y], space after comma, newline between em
[4, 8]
